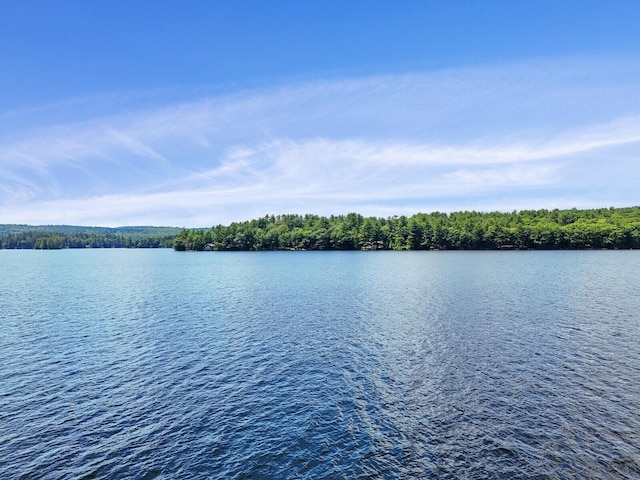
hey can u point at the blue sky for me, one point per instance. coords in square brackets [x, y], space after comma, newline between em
[199, 113]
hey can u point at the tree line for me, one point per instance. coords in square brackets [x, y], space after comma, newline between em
[45, 240]
[526, 229]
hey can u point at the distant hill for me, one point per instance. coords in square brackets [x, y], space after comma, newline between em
[49, 237]
[143, 231]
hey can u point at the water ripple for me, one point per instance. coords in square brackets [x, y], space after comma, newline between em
[154, 365]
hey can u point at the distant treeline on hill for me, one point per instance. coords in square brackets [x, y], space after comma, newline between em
[527, 229]
[52, 237]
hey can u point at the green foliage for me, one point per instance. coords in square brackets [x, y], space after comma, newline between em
[528, 229]
[51, 237]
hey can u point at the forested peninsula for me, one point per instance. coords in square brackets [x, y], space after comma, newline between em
[609, 228]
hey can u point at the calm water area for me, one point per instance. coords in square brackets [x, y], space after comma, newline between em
[302, 365]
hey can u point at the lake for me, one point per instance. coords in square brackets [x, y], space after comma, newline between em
[156, 364]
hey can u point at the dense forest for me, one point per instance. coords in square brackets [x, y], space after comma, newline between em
[527, 229]
[49, 237]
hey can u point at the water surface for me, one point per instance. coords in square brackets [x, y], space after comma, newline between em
[157, 364]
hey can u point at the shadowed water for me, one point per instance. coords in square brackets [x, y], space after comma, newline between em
[157, 364]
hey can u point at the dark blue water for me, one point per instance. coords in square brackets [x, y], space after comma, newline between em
[156, 364]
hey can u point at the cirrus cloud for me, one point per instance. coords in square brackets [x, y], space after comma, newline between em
[547, 134]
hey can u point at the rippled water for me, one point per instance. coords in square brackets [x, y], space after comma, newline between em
[157, 364]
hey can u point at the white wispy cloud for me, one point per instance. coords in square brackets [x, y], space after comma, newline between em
[502, 137]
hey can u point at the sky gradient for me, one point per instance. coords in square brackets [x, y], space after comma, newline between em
[199, 113]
